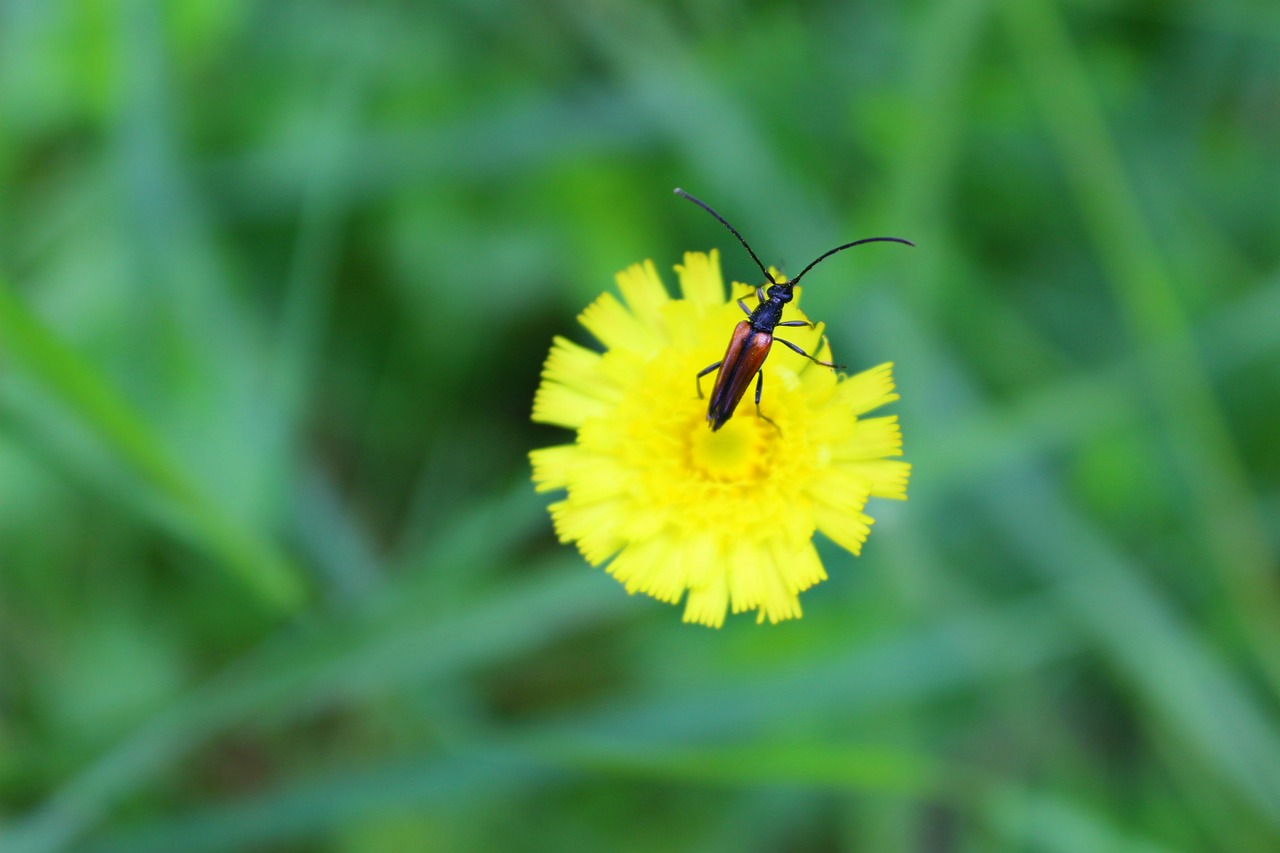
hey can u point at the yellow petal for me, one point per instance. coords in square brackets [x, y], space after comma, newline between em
[871, 438]
[643, 292]
[869, 389]
[846, 529]
[553, 466]
[700, 279]
[615, 327]
[706, 605]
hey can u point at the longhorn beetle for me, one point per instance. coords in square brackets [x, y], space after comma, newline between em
[753, 337]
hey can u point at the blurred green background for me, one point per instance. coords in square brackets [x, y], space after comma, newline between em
[276, 283]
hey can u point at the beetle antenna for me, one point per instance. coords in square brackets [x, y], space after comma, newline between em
[741, 240]
[826, 255]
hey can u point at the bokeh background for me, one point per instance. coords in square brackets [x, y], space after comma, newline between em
[276, 282]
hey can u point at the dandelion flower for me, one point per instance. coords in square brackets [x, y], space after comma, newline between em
[722, 519]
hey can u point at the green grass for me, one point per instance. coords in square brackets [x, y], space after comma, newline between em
[275, 287]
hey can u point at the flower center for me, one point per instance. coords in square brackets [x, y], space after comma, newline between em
[732, 454]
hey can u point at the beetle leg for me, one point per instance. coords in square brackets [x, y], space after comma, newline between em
[760, 294]
[744, 307]
[759, 391]
[796, 323]
[705, 371]
[814, 359]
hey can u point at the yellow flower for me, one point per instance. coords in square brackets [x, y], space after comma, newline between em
[726, 516]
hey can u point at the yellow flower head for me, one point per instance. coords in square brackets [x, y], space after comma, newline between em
[726, 516]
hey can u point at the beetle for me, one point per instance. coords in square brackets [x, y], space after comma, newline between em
[753, 337]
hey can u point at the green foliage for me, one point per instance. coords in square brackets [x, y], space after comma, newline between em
[276, 281]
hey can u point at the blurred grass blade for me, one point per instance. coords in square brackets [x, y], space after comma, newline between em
[713, 132]
[1220, 504]
[1052, 824]
[504, 766]
[853, 767]
[1184, 684]
[1073, 409]
[300, 672]
[70, 379]
[309, 294]
[312, 808]
[892, 672]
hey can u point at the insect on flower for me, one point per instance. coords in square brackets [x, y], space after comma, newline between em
[658, 500]
[753, 337]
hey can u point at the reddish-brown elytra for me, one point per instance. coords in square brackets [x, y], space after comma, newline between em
[753, 337]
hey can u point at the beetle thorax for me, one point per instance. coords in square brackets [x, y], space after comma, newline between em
[780, 292]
